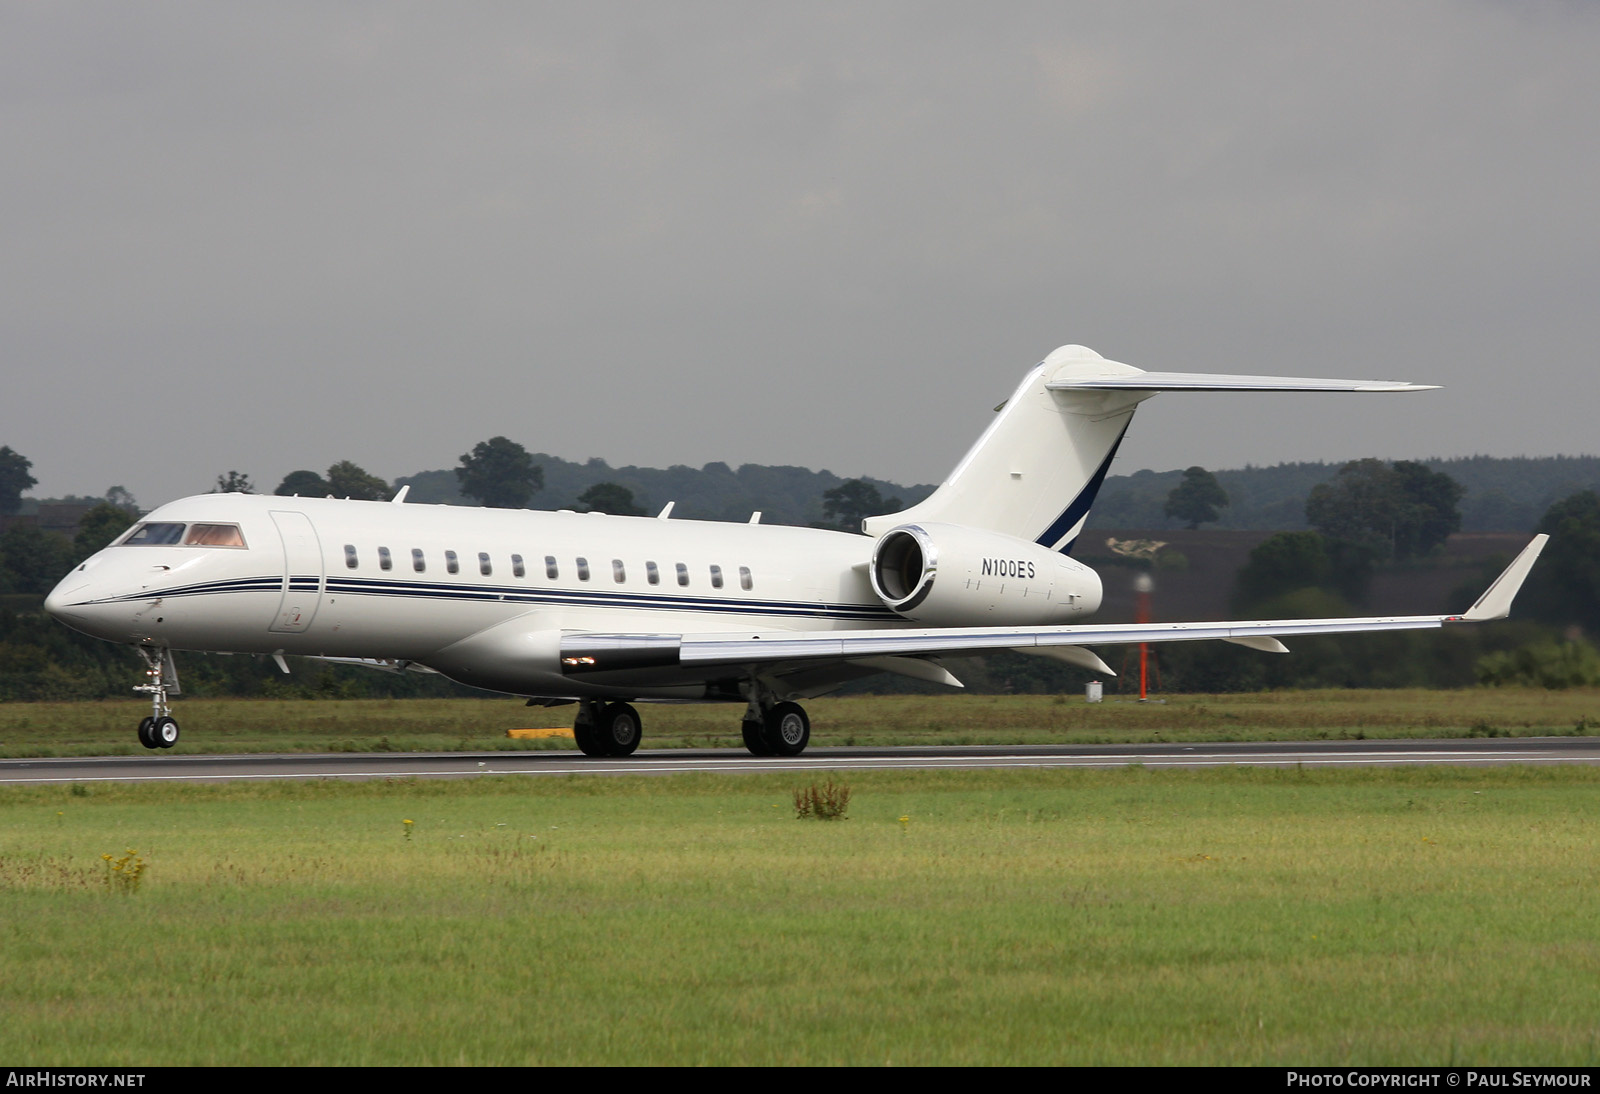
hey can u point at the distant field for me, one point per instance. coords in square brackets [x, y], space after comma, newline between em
[244, 725]
[1230, 916]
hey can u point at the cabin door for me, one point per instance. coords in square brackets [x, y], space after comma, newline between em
[302, 572]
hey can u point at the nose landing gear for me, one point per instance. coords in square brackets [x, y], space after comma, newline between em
[160, 730]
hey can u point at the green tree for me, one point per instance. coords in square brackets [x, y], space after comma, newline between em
[119, 496]
[1196, 499]
[1292, 562]
[609, 497]
[346, 480]
[1565, 585]
[234, 483]
[852, 501]
[1550, 665]
[1433, 502]
[32, 561]
[99, 526]
[14, 478]
[306, 484]
[500, 473]
[1402, 511]
[1282, 564]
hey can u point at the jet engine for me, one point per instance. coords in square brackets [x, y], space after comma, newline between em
[949, 575]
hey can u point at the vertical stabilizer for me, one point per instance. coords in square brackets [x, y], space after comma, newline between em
[1036, 470]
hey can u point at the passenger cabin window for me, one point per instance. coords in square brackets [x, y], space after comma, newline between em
[451, 563]
[418, 562]
[619, 572]
[385, 560]
[652, 573]
[214, 535]
[158, 534]
[350, 559]
[746, 582]
[683, 574]
[517, 568]
[483, 564]
[551, 570]
[583, 569]
[716, 577]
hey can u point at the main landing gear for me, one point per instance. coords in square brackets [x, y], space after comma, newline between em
[614, 729]
[780, 729]
[609, 730]
[160, 730]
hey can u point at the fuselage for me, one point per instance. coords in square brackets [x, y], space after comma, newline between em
[455, 588]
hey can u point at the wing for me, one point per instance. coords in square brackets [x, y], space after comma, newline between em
[790, 651]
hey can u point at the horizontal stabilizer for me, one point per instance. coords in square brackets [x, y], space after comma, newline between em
[1200, 381]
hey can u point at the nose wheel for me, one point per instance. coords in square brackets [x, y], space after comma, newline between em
[160, 730]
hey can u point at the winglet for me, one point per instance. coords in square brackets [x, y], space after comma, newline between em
[667, 512]
[1495, 603]
[401, 496]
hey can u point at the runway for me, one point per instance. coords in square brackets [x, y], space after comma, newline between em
[433, 765]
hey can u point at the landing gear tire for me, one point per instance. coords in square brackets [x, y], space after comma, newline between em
[753, 739]
[159, 730]
[588, 737]
[620, 729]
[164, 732]
[786, 730]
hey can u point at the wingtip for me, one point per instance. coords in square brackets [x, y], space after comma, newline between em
[1495, 603]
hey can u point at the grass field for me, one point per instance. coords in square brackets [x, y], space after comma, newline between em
[1243, 916]
[239, 725]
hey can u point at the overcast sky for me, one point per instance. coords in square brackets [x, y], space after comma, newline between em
[272, 236]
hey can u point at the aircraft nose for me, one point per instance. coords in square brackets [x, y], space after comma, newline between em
[64, 600]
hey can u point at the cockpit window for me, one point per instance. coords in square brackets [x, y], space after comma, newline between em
[214, 535]
[163, 533]
[155, 534]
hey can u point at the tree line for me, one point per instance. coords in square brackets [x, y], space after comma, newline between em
[1368, 515]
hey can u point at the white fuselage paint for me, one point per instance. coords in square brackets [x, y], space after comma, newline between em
[291, 589]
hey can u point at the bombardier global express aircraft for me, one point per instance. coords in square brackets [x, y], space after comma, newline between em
[605, 611]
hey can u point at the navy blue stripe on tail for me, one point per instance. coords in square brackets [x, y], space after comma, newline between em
[1081, 504]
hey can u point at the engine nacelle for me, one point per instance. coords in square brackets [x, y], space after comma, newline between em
[948, 575]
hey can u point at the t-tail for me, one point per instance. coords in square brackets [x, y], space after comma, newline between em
[1035, 472]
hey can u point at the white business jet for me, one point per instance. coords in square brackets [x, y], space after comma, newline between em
[605, 611]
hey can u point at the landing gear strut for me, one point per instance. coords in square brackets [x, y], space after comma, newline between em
[610, 730]
[160, 730]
